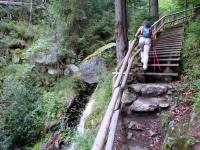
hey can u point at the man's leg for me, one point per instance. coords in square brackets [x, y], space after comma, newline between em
[141, 45]
[147, 47]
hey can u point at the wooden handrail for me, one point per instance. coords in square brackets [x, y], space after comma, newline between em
[160, 24]
[115, 100]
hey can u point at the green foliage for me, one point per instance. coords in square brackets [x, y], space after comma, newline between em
[85, 141]
[21, 120]
[191, 50]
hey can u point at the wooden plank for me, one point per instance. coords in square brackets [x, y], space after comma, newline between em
[165, 50]
[161, 65]
[166, 56]
[166, 59]
[162, 53]
[167, 45]
[158, 74]
[162, 48]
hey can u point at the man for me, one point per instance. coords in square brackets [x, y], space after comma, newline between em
[144, 35]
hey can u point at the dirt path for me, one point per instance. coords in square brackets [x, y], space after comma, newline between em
[139, 131]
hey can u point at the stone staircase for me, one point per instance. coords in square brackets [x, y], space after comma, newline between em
[147, 97]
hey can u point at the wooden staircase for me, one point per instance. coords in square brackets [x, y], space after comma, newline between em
[168, 47]
[169, 33]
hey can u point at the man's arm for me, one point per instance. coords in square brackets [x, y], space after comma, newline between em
[138, 32]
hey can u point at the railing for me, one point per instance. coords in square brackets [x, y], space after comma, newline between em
[173, 19]
[109, 122]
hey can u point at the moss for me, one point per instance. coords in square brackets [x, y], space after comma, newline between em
[165, 119]
[100, 50]
[178, 138]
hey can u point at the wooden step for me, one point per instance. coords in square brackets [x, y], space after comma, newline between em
[162, 53]
[171, 38]
[169, 41]
[166, 56]
[165, 48]
[168, 45]
[161, 65]
[158, 74]
[166, 59]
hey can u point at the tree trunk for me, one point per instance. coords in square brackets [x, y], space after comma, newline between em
[154, 9]
[121, 29]
[186, 4]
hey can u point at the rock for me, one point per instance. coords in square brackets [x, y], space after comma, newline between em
[144, 104]
[73, 68]
[53, 71]
[15, 58]
[92, 69]
[136, 126]
[129, 136]
[137, 148]
[128, 97]
[149, 89]
[66, 72]
[47, 57]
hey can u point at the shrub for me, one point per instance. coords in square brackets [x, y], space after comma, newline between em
[21, 120]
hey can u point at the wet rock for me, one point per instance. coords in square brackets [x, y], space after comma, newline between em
[128, 97]
[92, 69]
[136, 126]
[144, 104]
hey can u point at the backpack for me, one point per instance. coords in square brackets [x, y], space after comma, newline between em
[146, 31]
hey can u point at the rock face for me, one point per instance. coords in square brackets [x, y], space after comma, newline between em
[92, 69]
[144, 104]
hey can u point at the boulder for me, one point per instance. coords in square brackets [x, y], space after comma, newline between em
[128, 97]
[92, 69]
[46, 57]
[145, 104]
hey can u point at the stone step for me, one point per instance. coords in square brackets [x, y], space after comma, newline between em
[149, 104]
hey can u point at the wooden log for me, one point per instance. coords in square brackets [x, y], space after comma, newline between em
[103, 130]
[113, 126]
[119, 77]
[128, 69]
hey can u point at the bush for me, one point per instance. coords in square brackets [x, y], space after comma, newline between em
[21, 119]
[191, 51]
